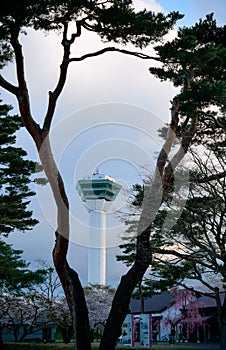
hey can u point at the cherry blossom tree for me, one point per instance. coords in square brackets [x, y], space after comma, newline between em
[99, 299]
[23, 315]
[184, 312]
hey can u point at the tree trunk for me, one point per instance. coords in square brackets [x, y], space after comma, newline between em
[67, 334]
[1, 340]
[69, 278]
[223, 328]
[153, 197]
[16, 334]
[120, 305]
[141, 297]
[76, 301]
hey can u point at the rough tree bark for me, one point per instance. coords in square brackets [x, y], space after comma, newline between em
[153, 198]
[223, 329]
[69, 278]
[120, 305]
[1, 340]
[222, 322]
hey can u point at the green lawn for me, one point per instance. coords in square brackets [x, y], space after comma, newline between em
[26, 346]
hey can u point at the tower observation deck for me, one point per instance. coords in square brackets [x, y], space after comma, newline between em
[97, 192]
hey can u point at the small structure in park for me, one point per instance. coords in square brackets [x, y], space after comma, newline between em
[160, 312]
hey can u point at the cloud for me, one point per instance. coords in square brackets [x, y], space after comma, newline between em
[150, 5]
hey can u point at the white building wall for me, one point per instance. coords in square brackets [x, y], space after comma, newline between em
[170, 313]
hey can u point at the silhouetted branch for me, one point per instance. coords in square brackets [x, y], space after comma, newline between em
[111, 49]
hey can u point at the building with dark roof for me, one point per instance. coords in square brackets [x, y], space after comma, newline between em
[160, 306]
[155, 304]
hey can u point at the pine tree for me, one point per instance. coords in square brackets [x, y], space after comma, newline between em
[113, 21]
[15, 172]
[15, 275]
[194, 60]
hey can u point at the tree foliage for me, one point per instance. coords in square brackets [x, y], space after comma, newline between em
[15, 275]
[22, 315]
[114, 21]
[18, 307]
[15, 172]
[99, 299]
[193, 246]
[196, 60]
[186, 61]
[185, 310]
[182, 63]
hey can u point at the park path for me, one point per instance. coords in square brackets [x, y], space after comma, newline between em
[192, 346]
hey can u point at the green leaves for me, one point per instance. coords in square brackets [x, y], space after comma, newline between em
[196, 57]
[196, 61]
[113, 20]
[14, 272]
[123, 25]
[15, 174]
[193, 246]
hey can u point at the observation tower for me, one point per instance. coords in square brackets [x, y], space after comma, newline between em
[97, 192]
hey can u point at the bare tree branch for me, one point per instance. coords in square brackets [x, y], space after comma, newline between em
[178, 254]
[168, 176]
[54, 95]
[209, 178]
[8, 86]
[88, 26]
[111, 49]
[153, 194]
[22, 92]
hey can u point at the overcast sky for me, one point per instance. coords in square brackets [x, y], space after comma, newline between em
[107, 117]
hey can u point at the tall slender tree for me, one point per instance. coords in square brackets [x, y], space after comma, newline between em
[186, 62]
[191, 253]
[115, 21]
[199, 120]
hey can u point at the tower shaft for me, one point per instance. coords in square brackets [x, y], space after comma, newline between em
[97, 248]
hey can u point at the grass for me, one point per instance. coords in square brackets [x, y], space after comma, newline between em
[26, 346]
